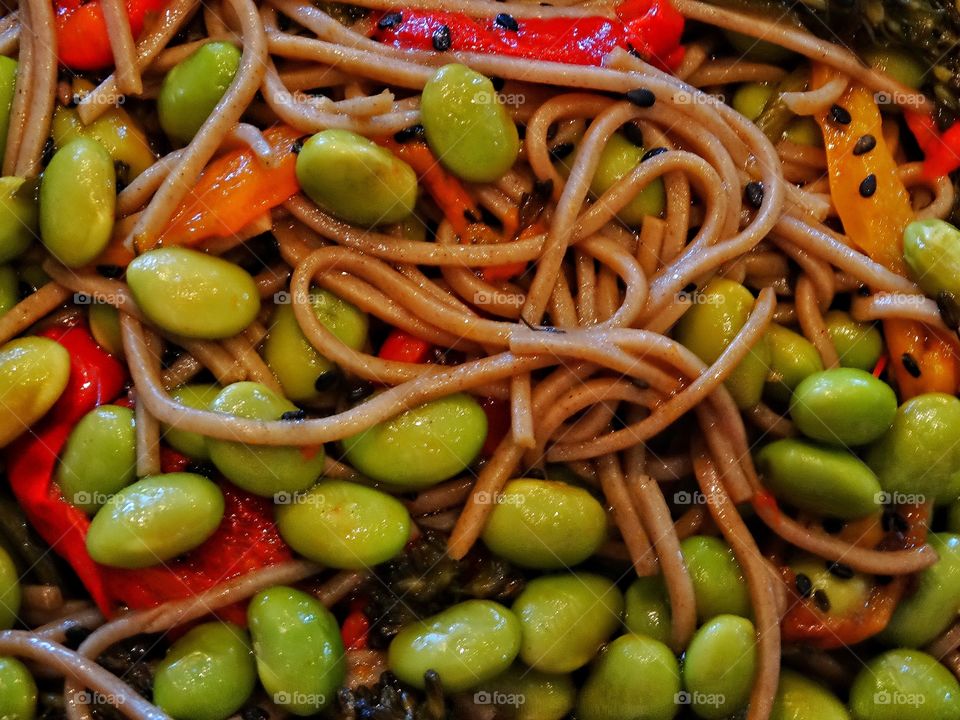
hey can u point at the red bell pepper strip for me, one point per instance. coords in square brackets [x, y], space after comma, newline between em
[356, 626]
[941, 151]
[401, 346]
[651, 28]
[83, 42]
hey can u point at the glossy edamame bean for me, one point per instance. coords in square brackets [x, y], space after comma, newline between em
[565, 619]
[898, 63]
[467, 644]
[299, 653]
[78, 195]
[931, 249]
[749, 48]
[291, 357]
[617, 160]
[19, 215]
[193, 88]
[792, 359]
[99, 459]
[718, 582]
[846, 595]
[800, 698]
[344, 525]
[355, 179]
[261, 469]
[18, 690]
[10, 593]
[721, 310]
[155, 519]
[647, 608]
[719, 666]
[804, 131]
[929, 610]
[859, 345]
[635, 677]
[8, 83]
[208, 674]
[905, 685]
[749, 99]
[522, 693]
[823, 480]
[843, 406]
[919, 454]
[105, 327]
[9, 288]
[545, 524]
[423, 446]
[33, 373]
[467, 126]
[193, 294]
[191, 444]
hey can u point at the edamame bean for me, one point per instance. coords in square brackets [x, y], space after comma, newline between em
[355, 179]
[19, 215]
[750, 98]
[422, 446]
[344, 525]
[707, 328]
[18, 690]
[261, 469]
[105, 327]
[919, 454]
[8, 83]
[905, 685]
[843, 406]
[859, 345]
[467, 126]
[565, 619]
[9, 591]
[792, 359]
[799, 698]
[819, 479]
[193, 87]
[929, 610]
[467, 644]
[193, 294]
[617, 160]
[749, 48]
[521, 693]
[846, 595]
[208, 674]
[99, 459]
[953, 518]
[635, 677]
[898, 63]
[155, 519]
[931, 249]
[545, 524]
[9, 288]
[804, 131]
[292, 358]
[33, 373]
[718, 583]
[296, 641]
[647, 608]
[719, 666]
[78, 195]
[191, 444]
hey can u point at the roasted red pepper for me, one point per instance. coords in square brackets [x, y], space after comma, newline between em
[401, 346]
[651, 28]
[82, 39]
[356, 626]
[941, 151]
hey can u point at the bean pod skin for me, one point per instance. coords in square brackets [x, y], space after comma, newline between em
[19, 215]
[931, 249]
[195, 396]
[647, 608]
[526, 694]
[8, 83]
[905, 685]
[33, 373]
[719, 666]
[800, 698]
[617, 160]
[718, 581]
[18, 690]
[843, 406]
[793, 358]
[10, 591]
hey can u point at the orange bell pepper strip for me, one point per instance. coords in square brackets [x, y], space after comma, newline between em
[923, 359]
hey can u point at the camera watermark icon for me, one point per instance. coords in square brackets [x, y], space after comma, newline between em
[84, 497]
[899, 498]
[509, 99]
[485, 297]
[284, 698]
[488, 498]
[485, 697]
[87, 697]
[285, 297]
[295, 97]
[285, 497]
[682, 97]
[885, 697]
[100, 98]
[884, 97]
[700, 699]
[82, 298]
[699, 298]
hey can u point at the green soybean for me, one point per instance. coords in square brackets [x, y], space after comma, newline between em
[291, 357]
[78, 196]
[18, 690]
[953, 517]
[296, 641]
[33, 373]
[919, 455]
[647, 608]
[467, 644]
[467, 126]
[719, 666]
[846, 595]
[19, 215]
[898, 63]
[193, 87]
[718, 582]
[422, 446]
[8, 83]
[931, 249]
[617, 160]
[10, 593]
[750, 98]
[155, 519]
[545, 524]
[804, 131]
[859, 345]
[932, 607]
[800, 698]
[260, 469]
[792, 359]
[193, 294]
[9, 288]
[521, 693]
[355, 179]
[819, 479]
[100, 457]
[635, 677]
[345, 525]
[191, 444]
[721, 310]
[105, 327]
[843, 406]
[905, 685]
[565, 619]
[208, 674]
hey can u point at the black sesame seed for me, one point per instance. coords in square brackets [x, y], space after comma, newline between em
[910, 365]
[296, 147]
[840, 115]
[359, 390]
[844, 572]
[864, 145]
[109, 271]
[414, 132]
[507, 22]
[441, 39]
[633, 133]
[498, 83]
[326, 380]
[868, 186]
[559, 152]
[294, 415]
[832, 525]
[641, 97]
[949, 308]
[653, 152]
[804, 586]
[390, 20]
[754, 193]
[822, 601]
